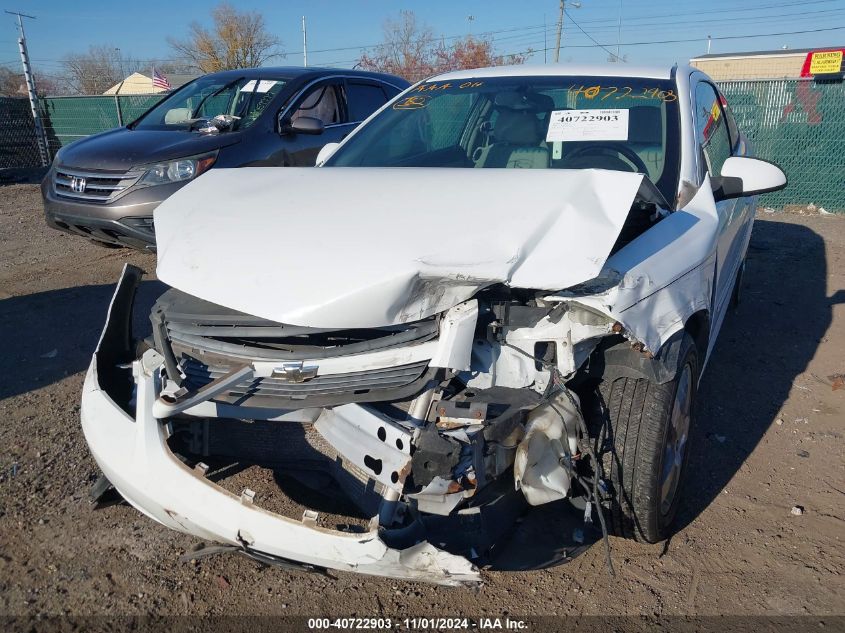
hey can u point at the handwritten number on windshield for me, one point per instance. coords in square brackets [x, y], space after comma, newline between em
[593, 92]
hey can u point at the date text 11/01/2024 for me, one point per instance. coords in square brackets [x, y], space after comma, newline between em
[418, 623]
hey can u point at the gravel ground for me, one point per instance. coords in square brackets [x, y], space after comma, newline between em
[769, 437]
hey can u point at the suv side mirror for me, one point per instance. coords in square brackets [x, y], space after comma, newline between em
[304, 125]
[743, 176]
[325, 152]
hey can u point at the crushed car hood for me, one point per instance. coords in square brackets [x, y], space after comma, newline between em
[365, 247]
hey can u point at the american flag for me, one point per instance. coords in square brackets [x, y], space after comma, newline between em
[160, 81]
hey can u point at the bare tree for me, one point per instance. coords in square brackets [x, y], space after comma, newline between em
[97, 70]
[12, 84]
[408, 49]
[237, 40]
[411, 50]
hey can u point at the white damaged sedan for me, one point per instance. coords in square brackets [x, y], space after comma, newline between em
[475, 330]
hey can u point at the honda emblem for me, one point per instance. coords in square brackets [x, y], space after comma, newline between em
[77, 185]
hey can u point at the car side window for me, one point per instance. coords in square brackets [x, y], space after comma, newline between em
[733, 130]
[711, 129]
[362, 99]
[321, 102]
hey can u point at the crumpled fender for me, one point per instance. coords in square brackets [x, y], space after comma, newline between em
[654, 284]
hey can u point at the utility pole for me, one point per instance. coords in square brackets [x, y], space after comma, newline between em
[30, 88]
[120, 62]
[304, 43]
[559, 31]
[575, 5]
[545, 42]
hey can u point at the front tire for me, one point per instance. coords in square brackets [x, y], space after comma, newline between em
[649, 428]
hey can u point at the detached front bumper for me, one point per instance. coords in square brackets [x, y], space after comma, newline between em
[133, 454]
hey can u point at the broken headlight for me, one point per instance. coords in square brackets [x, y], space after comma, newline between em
[178, 170]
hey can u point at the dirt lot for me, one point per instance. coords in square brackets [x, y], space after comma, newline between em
[769, 437]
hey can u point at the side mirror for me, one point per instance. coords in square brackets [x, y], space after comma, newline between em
[304, 125]
[325, 152]
[743, 176]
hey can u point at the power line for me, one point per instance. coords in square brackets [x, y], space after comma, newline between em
[778, 17]
[590, 36]
[537, 30]
[531, 40]
[743, 9]
[694, 39]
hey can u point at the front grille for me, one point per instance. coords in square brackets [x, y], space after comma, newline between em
[100, 187]
[193, 326]
[207, 341]
[346, 387]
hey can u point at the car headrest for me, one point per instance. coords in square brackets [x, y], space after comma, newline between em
[517, 128]
[530, 101]
[645, 125]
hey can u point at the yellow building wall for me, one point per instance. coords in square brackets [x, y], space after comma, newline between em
[752, 67]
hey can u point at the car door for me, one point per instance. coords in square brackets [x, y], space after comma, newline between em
[323, 100]
[745, 207]
[714, 146]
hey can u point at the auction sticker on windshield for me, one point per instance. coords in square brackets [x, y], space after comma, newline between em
[588, 125]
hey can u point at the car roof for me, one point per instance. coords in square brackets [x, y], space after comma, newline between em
[300, 72]
[568, 70]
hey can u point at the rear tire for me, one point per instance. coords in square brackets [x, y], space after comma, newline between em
[649, 429]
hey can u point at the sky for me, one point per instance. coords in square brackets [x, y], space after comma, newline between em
[652, 32]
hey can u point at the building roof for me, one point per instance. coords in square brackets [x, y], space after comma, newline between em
[140, 83]
[778, 51]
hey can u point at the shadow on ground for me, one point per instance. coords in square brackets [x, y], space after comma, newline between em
[769, 340]
[50, 335]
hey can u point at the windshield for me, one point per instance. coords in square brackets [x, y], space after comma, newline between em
[207, 97]
[623, 124]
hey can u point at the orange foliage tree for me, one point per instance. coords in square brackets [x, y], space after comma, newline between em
[411, 50]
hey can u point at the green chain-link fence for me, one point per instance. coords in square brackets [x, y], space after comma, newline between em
[18, 144]
[67, 119]
[800, 125]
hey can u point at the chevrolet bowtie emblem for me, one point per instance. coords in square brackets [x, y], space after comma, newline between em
[295, 372]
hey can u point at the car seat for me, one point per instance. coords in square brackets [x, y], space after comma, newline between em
[517, 135]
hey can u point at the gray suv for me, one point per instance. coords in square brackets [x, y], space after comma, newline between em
[105, 187]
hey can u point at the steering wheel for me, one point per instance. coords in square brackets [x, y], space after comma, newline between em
[601, 149]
